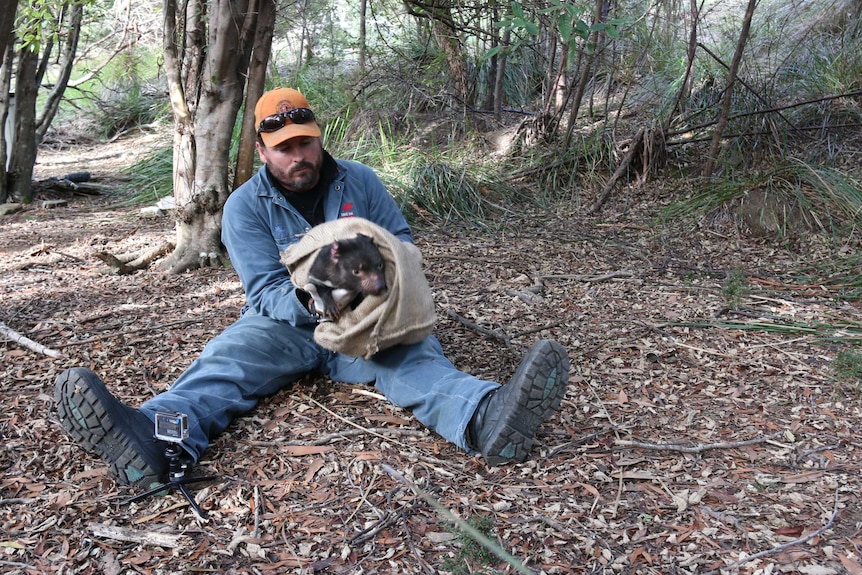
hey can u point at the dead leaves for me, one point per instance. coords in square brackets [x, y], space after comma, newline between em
[679, 447]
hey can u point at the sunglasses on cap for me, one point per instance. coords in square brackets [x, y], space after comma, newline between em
[277, 121]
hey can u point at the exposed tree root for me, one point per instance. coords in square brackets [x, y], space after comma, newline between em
[185, 260]
[129, 263]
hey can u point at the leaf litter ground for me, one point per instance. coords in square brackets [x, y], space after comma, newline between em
[702, 424]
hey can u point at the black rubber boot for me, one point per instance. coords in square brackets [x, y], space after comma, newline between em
[119, 434]
[505, 422]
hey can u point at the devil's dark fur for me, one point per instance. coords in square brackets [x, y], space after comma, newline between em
[346, 269]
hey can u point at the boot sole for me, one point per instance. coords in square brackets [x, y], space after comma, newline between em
[81, 407]
[541, 379]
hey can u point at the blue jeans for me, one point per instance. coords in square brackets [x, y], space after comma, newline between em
[257, 356]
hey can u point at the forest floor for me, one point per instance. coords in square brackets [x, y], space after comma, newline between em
[703, 430]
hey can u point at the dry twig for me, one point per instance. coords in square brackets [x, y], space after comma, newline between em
[377, 431]
[700, 448]
[347, 421]
[478, 328]
[784, 546]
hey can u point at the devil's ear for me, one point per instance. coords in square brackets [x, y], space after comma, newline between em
[335, 251]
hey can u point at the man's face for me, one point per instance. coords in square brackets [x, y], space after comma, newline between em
[294, 163]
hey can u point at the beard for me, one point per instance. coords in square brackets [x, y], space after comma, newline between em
[301, 177]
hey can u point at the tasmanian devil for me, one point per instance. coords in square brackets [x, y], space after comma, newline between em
[343, 271]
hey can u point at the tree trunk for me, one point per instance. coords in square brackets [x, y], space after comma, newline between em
[7, 110]
[499, 97]
[445, 32]
[448, 41]
[494, 34]
[363, 14]
[28, 130]
[24, 149]
[207, 84]
[67, 60]
[585, 73]
[7, 20]
[254, 89]
[711, 157]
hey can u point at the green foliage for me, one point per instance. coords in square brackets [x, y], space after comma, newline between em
[735, 288]
[847, 368]
[472, 556]
[38, 22]
[131, 108]
[371, 115]
[124, 94]
[554, 174]
[430, 187]
[567, 18]
[150, 178]
[841, 272]
[442, 190]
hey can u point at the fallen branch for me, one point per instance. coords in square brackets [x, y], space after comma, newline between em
[378, 431]
[478, 328]
[154, 538]
[687, 129]
[372, 530]
[349, 422]
[783, 546]
[700, 448]
[636, 146]
[16, 564]
[148, 328]
[27, 342]
[591, 278]
[256, 532]
[625, 227]
[538, 328]
[344, 434]
[462, 525]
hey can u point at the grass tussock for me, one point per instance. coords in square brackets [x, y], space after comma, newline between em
[438, 191]
[150, 178]
[847, 369]
[791, 198]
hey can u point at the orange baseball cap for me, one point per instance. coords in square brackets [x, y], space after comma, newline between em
[281, 101]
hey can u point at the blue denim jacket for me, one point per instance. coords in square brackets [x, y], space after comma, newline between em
[258, 223]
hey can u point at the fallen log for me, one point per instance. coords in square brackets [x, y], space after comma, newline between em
[156, 538]
[13, 335]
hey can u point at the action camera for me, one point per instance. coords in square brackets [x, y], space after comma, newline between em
[172, 426]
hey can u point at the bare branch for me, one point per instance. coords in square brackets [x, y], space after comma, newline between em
[27, 342]
[699, 448]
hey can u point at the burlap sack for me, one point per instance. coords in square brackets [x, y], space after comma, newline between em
[404, 314]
